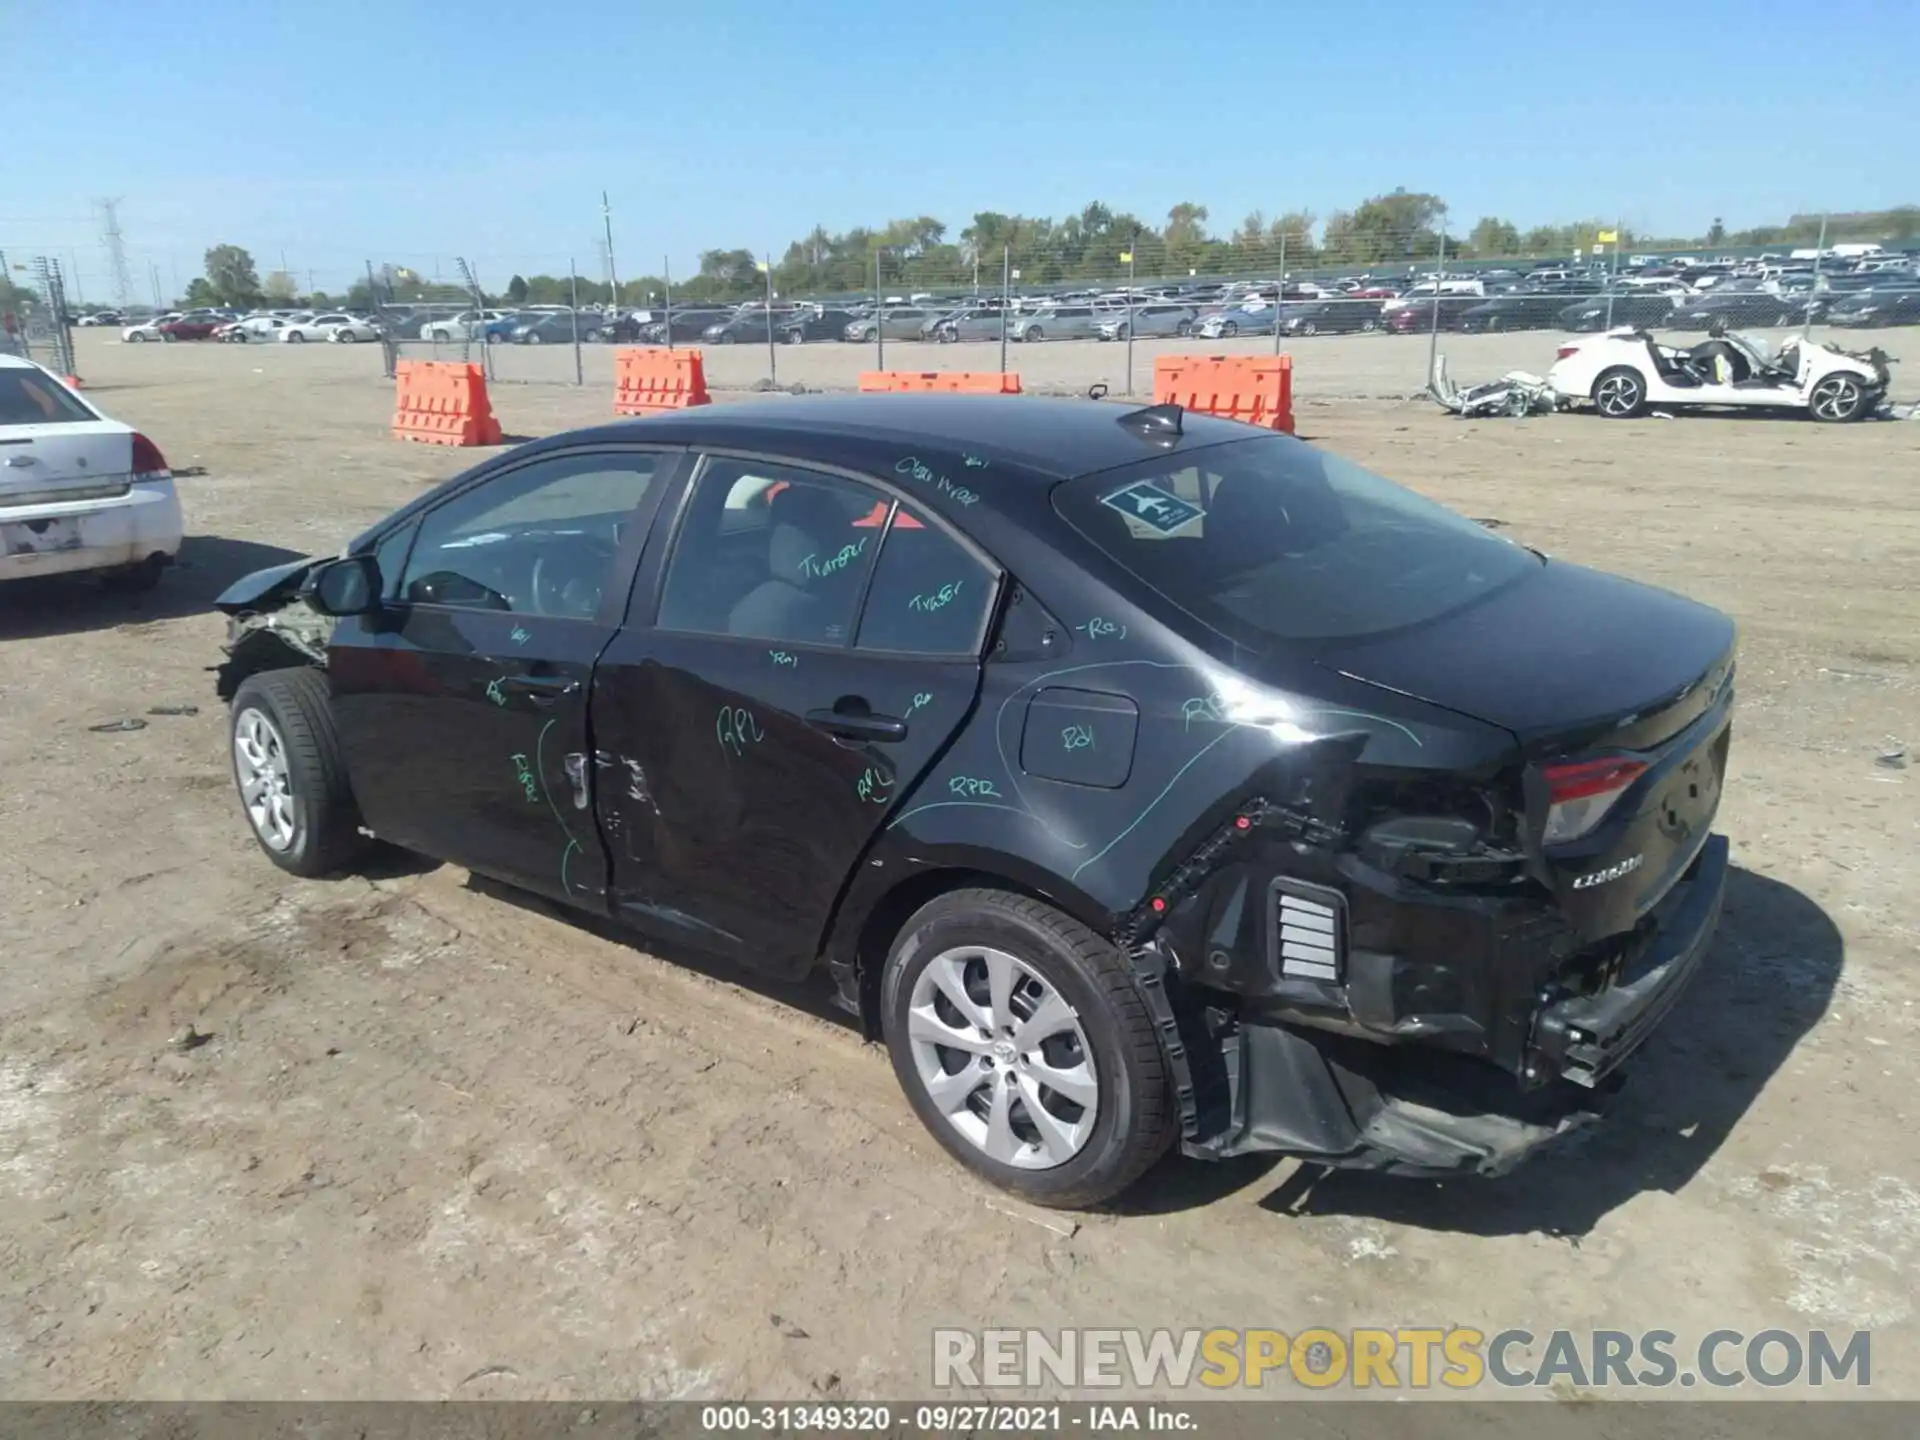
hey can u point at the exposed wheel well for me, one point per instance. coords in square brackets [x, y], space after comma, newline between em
[257, 651]
[860, 987]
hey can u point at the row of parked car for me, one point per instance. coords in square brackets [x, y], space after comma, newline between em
[290, 326]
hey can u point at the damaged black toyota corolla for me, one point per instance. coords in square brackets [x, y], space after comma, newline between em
[1136, 775]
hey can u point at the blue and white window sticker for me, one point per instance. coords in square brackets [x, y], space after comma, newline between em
[1148, 504]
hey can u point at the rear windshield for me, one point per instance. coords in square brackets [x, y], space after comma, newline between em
[1269, 539]
[29, 398]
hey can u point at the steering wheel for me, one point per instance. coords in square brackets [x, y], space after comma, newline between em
[569, 576]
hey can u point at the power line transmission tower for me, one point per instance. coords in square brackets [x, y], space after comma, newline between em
[116, 247]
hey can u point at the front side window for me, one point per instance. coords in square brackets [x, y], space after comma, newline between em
[1269, 539]
[537, 540]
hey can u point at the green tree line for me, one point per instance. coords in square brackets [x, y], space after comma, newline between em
[1395, 231]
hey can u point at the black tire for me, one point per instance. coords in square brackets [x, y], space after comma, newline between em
[727, 338]
[1183, 329]
[1033, 334]
[533, 338]
[135, 579]
[1135, 1121]
[136, 338]
[1367, 327]
[1308, 327]
[795, 337]
[294, 337]
[1620, 393]
[345, 337]
[593, 337]
[1229, 329]
[946, 335]
[326, 833]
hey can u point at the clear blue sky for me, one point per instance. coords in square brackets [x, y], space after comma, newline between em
[410, 132]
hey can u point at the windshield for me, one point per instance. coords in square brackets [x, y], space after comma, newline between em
[1269, 539]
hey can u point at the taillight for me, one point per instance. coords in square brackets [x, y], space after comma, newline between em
[1565, 350]
[148, 462]
[1580, 795]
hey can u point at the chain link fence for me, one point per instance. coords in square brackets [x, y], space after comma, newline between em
[1364, 313]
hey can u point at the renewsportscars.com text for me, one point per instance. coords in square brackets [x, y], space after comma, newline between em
[1411, 1357]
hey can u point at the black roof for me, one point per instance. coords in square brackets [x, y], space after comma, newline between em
[1060, 438]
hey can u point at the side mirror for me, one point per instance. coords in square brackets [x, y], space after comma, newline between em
[346, 587]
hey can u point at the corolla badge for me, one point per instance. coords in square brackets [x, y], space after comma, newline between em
[1612, 872]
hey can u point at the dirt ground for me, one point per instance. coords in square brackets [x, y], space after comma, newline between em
[441, 1141]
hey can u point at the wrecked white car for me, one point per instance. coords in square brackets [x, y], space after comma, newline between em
[1626, 373]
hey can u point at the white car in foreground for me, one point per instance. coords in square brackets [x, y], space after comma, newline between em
[78, 492]
[343, 328]
[1626, 372]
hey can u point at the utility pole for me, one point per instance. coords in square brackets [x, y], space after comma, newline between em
[613, 276]
[115, 245]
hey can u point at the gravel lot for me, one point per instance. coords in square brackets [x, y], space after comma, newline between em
[444, 1142]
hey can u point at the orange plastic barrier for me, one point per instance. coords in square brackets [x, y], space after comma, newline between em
[1255, 388]
[652, 378]
[439, 402]
[957, 382]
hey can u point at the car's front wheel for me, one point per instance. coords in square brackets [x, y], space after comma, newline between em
[1619, 393]
[290, 773]
[1033, 333]
[1228, 330]
[294, 337]
[1838, 399]
[1025, 1046]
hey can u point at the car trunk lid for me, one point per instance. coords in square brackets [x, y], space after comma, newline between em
[71, 460]
[1619, 697]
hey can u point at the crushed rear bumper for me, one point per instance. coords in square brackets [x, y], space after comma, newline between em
[1414, 1109]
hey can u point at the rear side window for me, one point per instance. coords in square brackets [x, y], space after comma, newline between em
[28, 397]
[929, 595]
[1269, 539]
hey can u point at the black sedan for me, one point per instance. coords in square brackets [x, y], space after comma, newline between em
[688, 324]
[1522, 310]
[1874, 308]
[557, 327]
[1331, 317]
[1745, 307]
[1639, 308]
[804, 326]
[1138, 776]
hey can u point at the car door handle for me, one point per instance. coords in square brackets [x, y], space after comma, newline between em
[843, 725]
[541, 689]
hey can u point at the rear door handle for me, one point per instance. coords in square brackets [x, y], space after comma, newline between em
[844, 726]
[542, 689]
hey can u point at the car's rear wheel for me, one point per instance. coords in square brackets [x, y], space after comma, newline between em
[290, 773]
[346, 337]
[1024, 1045]
[132, 579]
[1838, 399]
[1619, 393]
